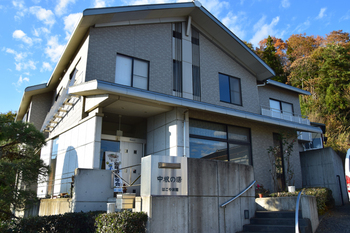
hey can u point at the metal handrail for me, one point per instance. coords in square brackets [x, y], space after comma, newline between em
[131, 184]
[297, 212]
[240, 194]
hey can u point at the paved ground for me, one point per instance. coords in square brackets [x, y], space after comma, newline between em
[337, 220]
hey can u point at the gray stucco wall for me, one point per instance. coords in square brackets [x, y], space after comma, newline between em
[320, 169]
[149, 42]
[266, 92]
[262, 139]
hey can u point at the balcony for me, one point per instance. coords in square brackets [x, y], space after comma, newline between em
[288, 116]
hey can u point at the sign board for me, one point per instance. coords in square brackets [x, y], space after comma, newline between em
[163, 176]
[113, 161]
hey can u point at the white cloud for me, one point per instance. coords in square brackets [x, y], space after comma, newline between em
[26, 65]
[345, 17]
[18, 4]
[285, 3]
[215, 6]
[54, 49]
[22, 10]
[303, 26]
[99, 3]
[20, 81]
[42, 14]
[61, 7]
[18, 56]
[322, 13]
[39, 31]
[20, 35]
[235, 23]
[70, 22]
[263, 30]
[46, 67]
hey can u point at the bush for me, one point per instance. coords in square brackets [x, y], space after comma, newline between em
[79, 223]
[324, 198]
[122, 222]
[66, 223]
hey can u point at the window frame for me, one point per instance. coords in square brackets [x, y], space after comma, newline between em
[229, 89]
[132, 70]
[228, 141]
[281, 109]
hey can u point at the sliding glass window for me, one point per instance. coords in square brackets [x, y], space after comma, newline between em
[210, 140]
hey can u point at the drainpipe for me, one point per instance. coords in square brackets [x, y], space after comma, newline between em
[185, 129]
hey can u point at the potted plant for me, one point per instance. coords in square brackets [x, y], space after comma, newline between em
[260, 190]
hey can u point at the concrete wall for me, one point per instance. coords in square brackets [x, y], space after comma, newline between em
[54, 206]
[308, 206]
[78, 147]
[92, 188]
[210, 183]
[165, 133]
[266, 92]
[320, 169]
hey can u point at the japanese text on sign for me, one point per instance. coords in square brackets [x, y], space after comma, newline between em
[168, 179]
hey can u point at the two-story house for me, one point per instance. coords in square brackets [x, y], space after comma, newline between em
[166, 79]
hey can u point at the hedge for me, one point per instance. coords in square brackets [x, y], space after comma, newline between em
[324, 197]
[79, 223]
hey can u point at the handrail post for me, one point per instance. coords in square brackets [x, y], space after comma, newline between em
[237, 196]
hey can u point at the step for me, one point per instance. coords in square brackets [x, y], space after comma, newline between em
[279, 221]
[274, 228]
[276, 214]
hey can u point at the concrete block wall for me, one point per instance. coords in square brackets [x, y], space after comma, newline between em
[78, 147]
[320, 169]
[165, 133]
[210, 183]
[266, 92]
[261, 140]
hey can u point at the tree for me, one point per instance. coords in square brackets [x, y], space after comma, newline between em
[271, 58]
[20, 164]
[300, 45]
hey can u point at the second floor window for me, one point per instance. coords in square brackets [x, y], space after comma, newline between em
[230, 89]
[281, 107]
[131, 72]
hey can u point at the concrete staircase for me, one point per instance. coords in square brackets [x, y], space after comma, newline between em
[276, 221]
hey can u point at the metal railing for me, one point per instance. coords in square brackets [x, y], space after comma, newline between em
[237, 196]
[128, 183]
[289, 116]
[297, 230]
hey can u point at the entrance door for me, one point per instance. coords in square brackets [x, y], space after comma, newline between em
[131, 154]
[279, 160]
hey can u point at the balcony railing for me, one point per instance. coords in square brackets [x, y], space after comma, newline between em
[59, 110]
[288, 116]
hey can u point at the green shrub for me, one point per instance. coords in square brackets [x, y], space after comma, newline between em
[122, 222]
[79, 223]
[324, 198]
[66, 223]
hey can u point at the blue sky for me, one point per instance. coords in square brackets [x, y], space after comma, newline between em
[34, 32]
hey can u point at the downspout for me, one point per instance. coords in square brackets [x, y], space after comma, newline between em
[186, 126]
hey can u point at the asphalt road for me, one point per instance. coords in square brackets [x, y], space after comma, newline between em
[337, 220]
